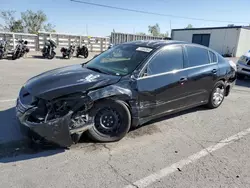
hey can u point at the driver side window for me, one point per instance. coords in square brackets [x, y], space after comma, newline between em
[167, 60]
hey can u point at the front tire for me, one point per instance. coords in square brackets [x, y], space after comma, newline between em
[52, 55]
[112, 121]
[217, 95]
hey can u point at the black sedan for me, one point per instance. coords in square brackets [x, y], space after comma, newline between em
[123, 87]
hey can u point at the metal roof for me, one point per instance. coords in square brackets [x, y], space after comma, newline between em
[155, 43]
[207, 28]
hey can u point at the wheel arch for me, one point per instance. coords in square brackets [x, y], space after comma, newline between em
[115, 92]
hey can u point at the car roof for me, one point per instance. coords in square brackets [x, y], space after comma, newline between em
[155, 43]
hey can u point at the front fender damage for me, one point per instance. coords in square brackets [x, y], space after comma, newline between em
[57, 122]
[55, 131]
[63, 120]
[109, 91]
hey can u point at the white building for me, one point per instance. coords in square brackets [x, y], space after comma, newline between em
[233, 40]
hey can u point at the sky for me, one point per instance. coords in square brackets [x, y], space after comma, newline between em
[76, 18]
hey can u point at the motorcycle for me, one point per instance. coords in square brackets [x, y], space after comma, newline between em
[110, 46]
[20, 49]
[68, 51]
[3, 49]
[82, 51]
[49, 49]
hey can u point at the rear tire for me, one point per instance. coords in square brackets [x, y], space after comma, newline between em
[217, 95]
[14, 57]
[112, 121]
[86, 53]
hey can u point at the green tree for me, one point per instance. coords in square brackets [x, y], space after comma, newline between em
[164, 34]
[141, 33]
[154, 29]
[11, 24]
[36, 21]
[189, 26]
[49, 28]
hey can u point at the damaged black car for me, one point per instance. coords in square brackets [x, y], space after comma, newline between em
[123, 87]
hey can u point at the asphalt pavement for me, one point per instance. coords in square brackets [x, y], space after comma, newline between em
[194, 148]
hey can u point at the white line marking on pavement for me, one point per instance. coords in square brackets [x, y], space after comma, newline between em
[8, 100]
[144, 182]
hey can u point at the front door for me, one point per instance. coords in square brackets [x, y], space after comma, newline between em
[162, 88]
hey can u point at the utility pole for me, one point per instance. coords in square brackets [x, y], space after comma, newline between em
[87, 32]
[170, 26]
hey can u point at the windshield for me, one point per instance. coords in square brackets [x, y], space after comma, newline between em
[120, 60]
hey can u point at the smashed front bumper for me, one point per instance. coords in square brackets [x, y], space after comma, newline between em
[54, 131]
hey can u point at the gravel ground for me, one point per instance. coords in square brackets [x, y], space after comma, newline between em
[165, 144]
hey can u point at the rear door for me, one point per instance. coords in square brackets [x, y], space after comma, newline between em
[162, 85]
[202, 73]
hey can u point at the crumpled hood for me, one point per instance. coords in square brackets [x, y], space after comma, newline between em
[67, 80]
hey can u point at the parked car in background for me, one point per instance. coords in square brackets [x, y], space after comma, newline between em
[123, 87]
[243, 66]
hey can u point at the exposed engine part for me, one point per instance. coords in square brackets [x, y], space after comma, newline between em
[78, 119]
[47, 111]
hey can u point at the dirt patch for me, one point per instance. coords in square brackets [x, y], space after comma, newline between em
[144, 130]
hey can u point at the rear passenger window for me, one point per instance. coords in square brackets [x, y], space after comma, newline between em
[197, 56]
[213, 57]
[167, 60]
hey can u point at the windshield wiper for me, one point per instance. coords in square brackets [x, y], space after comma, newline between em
[97, 70]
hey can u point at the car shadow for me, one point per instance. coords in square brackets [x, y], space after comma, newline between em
[149, 129]
[243, 83]
[15, 147]
[26, 151]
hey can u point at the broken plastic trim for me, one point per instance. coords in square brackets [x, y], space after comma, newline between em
[58, 129]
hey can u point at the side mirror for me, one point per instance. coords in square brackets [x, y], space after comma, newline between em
[144, 74]
[135, 74]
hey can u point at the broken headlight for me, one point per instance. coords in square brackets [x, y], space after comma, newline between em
[50, 110]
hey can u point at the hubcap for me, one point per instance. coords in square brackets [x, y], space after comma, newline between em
[107, 121]
[218, 95]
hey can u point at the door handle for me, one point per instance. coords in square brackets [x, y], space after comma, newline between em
[183, 79]
[214, 71]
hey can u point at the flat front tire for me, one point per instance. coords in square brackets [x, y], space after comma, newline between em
[217, 95]
[112, 121]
